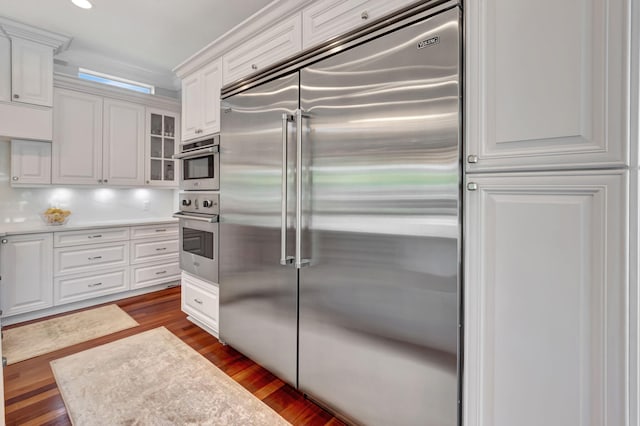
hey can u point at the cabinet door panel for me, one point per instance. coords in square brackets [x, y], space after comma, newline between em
[77, 138]
[30, 162]
[547, 84]
[153, 250]
[212, 82]
[90, 236]
[81, 287]
[192, 106]
[274, 44]
[161, 143]
[325, 19]
[123, 143]
[147, 275]
[27, 271]
[200, 300]
[31, 72]
[5, 69]
[87, 258]
[545, 300]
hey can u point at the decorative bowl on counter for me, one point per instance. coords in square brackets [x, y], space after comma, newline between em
[55, 216]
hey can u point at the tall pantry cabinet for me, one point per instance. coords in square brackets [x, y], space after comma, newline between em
[547, 332]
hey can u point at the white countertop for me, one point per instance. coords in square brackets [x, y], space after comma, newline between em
[33, 227]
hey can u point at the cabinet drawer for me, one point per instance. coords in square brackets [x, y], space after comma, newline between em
[138, 232]
[152, 250]
[91, 236]
[200, 300]
[86, 258]
[267, 48]
[145, 275]
[81, 287]
[326, 19]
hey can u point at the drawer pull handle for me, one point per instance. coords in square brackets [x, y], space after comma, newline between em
[161, 272]
[161, 230]
[95, 236]
[364, 15]
[161, 248]
[94, 257]
[198, 301]
[94, 285]
[254, 67]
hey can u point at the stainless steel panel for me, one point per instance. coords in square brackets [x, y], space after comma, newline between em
[258, 295]
[379, 300]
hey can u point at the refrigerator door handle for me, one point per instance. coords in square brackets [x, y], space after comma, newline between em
[284, 259]
[299, 261]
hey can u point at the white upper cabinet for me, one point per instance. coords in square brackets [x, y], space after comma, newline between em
[275, 43]
[123, 143]
[99, 141]
[30, 162]
[201, 101]
[161, 143]
[547, 84]
[31, 72]
[325, 19]
[77, 138]
[5, 69]
[546, 299]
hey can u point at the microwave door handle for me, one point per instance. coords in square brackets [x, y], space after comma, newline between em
[299, 261]
[284, 259]
[195, 154]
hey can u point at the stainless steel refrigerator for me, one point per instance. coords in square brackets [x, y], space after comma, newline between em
[340, 225]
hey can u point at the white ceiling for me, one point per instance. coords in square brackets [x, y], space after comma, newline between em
[144, 39]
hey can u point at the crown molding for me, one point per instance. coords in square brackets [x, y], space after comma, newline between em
[64, 81]
[58, 42]
[275, 11]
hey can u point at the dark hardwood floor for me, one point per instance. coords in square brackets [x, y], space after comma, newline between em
[32, 397]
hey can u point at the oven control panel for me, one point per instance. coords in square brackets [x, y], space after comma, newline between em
[200, 202]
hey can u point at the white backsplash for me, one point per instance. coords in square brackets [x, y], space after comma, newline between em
[20, 205]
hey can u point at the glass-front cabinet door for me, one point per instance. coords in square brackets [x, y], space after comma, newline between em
[163, 134]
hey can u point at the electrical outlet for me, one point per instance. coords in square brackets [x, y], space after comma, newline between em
[145, 205]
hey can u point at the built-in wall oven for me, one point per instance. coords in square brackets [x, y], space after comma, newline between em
[200, 169]
[199, 233]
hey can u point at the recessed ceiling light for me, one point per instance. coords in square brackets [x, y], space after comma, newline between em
[85, 4]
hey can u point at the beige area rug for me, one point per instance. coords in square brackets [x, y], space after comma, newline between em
[42, 337]
[154, 378]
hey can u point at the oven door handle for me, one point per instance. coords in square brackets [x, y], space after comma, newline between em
[207, 219]
[200, 152]
[284, 259]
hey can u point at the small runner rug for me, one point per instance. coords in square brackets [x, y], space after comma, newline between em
[154, 378]
[28, 341]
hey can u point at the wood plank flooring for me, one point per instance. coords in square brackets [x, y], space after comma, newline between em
[32, 397]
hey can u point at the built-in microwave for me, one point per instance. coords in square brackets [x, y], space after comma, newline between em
[200, 165]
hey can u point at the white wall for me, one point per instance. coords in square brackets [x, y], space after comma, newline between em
[18, 205]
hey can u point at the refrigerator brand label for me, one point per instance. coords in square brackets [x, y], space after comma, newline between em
[428, 42]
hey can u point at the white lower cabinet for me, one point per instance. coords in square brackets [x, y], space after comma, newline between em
[150, 250]
[88, 258]
[546, 297]
[40, 271]
[26, 270]
[200, 302]
[146, 275]
[81, 287]
[154, 260]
